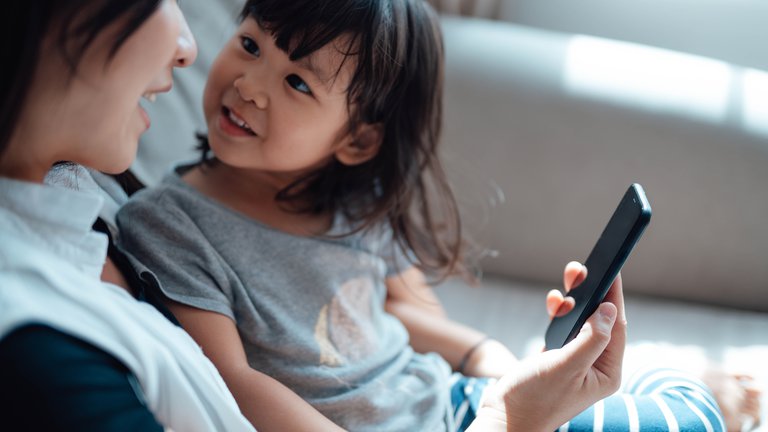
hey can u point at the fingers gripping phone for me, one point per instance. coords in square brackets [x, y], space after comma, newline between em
[603, 265]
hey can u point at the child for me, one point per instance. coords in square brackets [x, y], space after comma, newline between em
[295, 253]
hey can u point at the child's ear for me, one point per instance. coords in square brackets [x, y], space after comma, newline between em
[361, 146]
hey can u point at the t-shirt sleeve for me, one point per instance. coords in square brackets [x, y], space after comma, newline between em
[160, 237]
[53, 381]
[396, 258]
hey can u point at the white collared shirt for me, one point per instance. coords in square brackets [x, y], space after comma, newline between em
[50, 265]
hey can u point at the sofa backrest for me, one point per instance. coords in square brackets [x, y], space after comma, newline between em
[561, 137]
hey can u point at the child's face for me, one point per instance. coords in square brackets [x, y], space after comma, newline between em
[270, 114]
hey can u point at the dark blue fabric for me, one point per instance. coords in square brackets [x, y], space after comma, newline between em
[676, 389]
[652, 387]
[51, 381]
[466, 393]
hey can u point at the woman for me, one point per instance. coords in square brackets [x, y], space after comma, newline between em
[75, 353]
[80, 354]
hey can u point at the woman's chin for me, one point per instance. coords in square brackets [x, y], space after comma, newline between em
[115, 164]
[112, 170]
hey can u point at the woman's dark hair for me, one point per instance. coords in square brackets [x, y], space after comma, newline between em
[397, 49]
[72, 24]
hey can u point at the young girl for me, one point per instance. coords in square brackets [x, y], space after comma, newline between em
[295, 253]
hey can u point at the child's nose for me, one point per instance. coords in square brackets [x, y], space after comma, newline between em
[250, 92]
[261, 100]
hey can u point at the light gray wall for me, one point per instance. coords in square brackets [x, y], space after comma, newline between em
[735, 31]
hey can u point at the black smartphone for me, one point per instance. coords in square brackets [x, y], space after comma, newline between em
[603, 265]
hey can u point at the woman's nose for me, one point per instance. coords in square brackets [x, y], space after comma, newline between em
[187, 47]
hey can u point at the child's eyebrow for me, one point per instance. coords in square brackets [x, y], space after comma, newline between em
[305, 63]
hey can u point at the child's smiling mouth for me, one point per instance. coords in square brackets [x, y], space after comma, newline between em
[233, 124]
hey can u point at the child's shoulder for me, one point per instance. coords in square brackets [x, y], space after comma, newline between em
[171, 195]
[156, 194]
[171, 207]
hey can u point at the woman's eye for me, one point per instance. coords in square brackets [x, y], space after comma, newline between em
[250, 46]
[298, 84]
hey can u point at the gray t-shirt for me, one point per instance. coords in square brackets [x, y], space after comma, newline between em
[309, 310]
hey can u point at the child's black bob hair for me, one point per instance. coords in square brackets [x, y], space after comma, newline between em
[397, 49]
[72, 24]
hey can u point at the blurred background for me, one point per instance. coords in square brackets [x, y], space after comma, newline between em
[554, 107]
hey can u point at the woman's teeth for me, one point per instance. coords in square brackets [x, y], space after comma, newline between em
[238, 121]
[149, 96]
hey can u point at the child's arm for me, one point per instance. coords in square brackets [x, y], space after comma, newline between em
[265, 402]
[411, 287]
[464, 348]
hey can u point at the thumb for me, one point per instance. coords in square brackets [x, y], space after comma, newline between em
[593, 338]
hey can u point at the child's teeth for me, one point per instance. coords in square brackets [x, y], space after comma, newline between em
[238, 121]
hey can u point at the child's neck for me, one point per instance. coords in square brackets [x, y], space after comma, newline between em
[252, 193]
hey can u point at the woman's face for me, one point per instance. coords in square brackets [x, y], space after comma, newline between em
[95, 118]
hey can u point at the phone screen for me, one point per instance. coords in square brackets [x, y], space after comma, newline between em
[603, 265]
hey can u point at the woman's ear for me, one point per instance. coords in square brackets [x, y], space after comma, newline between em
[361, 146]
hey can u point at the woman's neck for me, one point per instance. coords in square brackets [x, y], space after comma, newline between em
[31, 151]
[18, 168]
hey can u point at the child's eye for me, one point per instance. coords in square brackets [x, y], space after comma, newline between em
[298, 84]
[250, 46]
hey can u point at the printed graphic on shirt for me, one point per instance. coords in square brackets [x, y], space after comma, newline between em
[344, 332]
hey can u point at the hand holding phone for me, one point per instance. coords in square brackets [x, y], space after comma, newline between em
[612, 249]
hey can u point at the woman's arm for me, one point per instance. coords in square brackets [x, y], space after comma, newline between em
[265, 402]
[549, 388]
[412, 301]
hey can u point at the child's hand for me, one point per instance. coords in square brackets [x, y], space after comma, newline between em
[544, 391]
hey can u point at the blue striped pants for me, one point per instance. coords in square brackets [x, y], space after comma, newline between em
[653, 400]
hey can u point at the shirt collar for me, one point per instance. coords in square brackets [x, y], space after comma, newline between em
[70, 209]
[57, 219]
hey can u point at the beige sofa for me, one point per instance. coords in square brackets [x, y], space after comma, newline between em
[562, 124]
